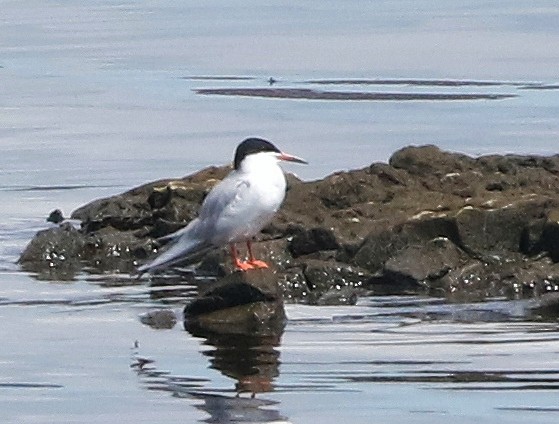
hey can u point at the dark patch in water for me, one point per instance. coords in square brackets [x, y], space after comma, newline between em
[529, 409]
[410, 362]
[308, 94]
[539, 87]
[532, 379]
[30, 386]
[414, 82]
[53, 188]
[217, 78]
[519, 388]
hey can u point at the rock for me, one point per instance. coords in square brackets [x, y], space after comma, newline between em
[514, 277]
[545, 306]
[240, 303]
[56, 216]
[384, 243]
[430, 161]
[531, 239]
[66, 248]
[168, 200]
[316, 239]
[159, 319]
[327, 280]
[259, 318]
[54, 247]
[424, 264]
[500, 229]
[550, 235]
[429, 221]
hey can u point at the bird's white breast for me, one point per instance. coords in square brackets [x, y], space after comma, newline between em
[259, 189]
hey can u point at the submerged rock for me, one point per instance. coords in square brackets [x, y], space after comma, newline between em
[428, 221]
[159, 319]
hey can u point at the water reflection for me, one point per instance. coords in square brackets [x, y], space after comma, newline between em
[224, 409]
[251, 360]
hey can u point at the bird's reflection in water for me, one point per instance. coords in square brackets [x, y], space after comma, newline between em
[252, 360]
[224, 409]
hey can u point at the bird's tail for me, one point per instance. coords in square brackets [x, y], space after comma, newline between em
[180, 251]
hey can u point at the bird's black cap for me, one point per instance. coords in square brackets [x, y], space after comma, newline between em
[250, 146]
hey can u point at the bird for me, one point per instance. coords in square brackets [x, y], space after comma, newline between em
[235, 210]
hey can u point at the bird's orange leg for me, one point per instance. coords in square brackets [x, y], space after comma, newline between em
[252, 260]
[242, 266]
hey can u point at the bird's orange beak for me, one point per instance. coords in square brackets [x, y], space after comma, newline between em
[290, 158]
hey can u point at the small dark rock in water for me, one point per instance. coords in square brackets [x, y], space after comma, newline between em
[56, 216]
[159, 319]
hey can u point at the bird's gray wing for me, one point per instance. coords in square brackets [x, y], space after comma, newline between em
[184, 244]
[224, 196]
[197, 235]
[228, 209]
[222, 216]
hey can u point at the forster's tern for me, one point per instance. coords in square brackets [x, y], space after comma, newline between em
[235, 210]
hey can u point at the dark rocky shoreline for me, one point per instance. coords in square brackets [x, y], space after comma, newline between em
[429, 221]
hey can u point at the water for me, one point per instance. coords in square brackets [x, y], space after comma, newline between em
[98, 96]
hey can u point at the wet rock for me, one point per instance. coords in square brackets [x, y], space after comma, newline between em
[240, 303]
[54, 247]
[174, 201]
[379, 226]
[293, 285]
[424, 264]
[545, 306]
[514, 277]
[531, 239]
[550, 235]
[429, 161]
[212, 265]
[384, 243]
[339, 296]
[325, 281]
[500, 229]
[316, 239]
[56, 216]
[66, 247]
[260, 318]
[159, 319]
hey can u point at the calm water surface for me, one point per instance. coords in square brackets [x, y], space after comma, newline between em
[98, 96]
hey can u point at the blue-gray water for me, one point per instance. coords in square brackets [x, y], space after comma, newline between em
[97, 96]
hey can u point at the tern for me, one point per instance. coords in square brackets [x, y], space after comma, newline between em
[235, 210]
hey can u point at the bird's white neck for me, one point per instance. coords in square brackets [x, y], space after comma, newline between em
[264, 162]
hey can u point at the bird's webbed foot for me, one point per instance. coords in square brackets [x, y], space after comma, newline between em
[257, 264]
[243, 266]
